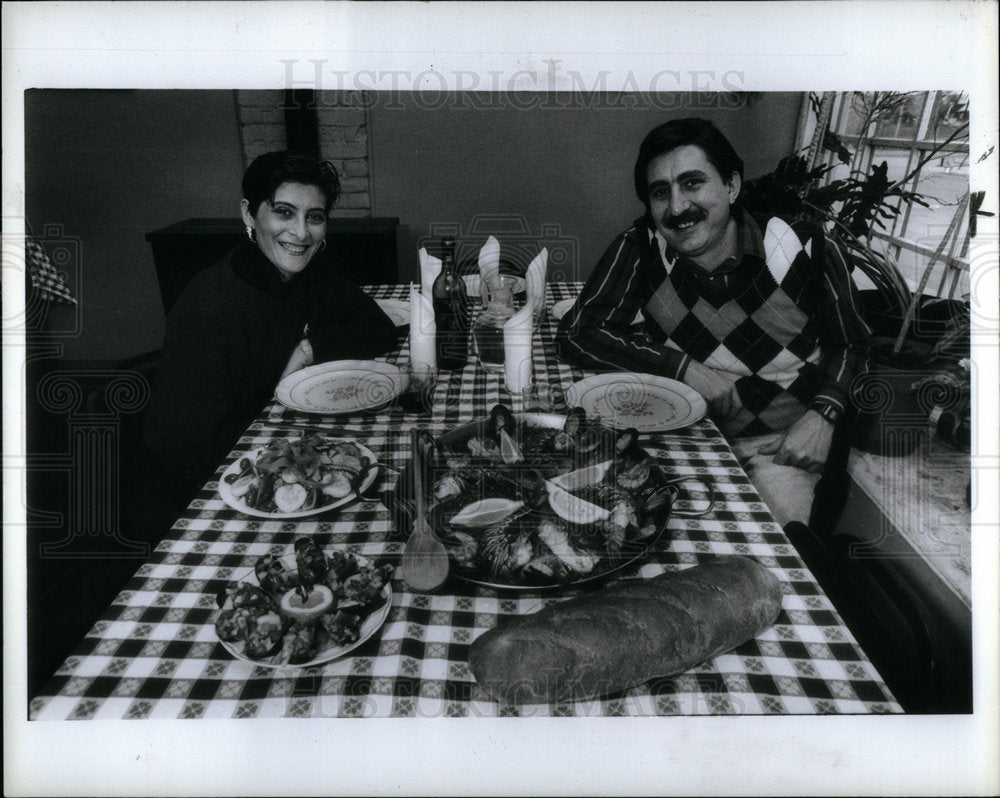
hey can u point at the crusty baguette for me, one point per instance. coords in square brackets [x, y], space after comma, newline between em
[627, 634]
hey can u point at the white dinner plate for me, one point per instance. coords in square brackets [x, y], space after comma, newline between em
[369, 627]
[644, 401]
[341, 386]
[396, 309]
[226, 491]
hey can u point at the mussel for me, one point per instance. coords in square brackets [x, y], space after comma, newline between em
[627, 446]
[504, 428]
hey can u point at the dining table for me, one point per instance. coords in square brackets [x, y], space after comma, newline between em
[154, 653]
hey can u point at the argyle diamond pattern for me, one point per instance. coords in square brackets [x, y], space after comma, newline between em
[759, 322]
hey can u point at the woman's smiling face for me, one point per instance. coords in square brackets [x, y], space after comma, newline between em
[291, 227]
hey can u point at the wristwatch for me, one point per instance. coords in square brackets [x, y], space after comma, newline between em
[830, 412]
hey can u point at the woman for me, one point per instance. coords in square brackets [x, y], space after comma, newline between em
[268, 309]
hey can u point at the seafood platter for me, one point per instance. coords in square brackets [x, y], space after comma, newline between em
[303, 609]
[299, 477]
[536, 500]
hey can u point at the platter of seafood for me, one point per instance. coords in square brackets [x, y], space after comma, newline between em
[296, 478]
[543, 501]
[303, 609]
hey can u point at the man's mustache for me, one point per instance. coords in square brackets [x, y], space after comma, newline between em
[683, 218]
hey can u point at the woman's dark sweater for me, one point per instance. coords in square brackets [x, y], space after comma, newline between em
[228, 339]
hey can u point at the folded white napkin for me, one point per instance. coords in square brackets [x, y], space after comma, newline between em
[534, 279]
[422, 331]
[430, 268]
[489, 260]
[517, 350]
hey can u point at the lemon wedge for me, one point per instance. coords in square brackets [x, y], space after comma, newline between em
[582, 477]
[574, 509]
[485, 512]
[509, 451]
[318, 601]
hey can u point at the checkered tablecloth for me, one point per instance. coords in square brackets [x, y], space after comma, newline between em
[154, 654]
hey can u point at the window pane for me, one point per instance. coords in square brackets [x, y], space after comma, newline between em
[943, 181]
[854, 112]
[896, 158]
[901, 119]
[950, 113]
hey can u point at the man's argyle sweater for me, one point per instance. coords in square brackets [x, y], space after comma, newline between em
[781, 320]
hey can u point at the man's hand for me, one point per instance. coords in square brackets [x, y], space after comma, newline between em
[805, 444]
[302, 356]
[719, 391]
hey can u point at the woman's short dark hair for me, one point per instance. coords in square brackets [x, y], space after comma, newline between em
[270, 170]
[676, 133]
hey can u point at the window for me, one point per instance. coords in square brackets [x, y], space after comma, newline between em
[923, 137]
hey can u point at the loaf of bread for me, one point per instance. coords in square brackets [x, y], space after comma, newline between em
[627, 633]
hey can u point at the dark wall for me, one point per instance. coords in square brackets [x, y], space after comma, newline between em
[562, 164]
[106, 167]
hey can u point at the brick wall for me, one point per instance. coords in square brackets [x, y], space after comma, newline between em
[343, 139]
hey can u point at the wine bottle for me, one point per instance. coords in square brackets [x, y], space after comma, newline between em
[451, 311]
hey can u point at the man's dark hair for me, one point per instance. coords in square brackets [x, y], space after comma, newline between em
[676, 133]
[269, 171]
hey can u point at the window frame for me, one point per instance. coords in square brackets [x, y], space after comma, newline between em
[955, 269]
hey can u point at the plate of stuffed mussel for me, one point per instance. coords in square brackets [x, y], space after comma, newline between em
[305, 608]
[535, 501]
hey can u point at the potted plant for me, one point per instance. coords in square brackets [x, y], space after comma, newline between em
[918, 340]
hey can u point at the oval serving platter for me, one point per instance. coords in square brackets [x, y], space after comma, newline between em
[226, 492]
[632, 553]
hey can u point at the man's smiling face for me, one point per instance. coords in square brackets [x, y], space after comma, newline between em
[690, 203]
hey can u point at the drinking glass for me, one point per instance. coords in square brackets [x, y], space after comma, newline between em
[545, 397]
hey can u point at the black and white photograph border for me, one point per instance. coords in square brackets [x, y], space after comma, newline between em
[513, 50]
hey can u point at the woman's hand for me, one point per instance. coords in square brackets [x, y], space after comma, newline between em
[302, 356]
[805, 444]
[719, 391]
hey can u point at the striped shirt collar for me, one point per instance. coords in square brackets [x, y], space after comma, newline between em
[751, 243]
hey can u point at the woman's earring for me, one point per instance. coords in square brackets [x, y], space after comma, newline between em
[251, 234]
[322, 245]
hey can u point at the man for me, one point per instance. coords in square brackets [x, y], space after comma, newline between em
[757, 316]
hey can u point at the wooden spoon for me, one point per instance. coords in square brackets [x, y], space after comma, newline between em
[425, 559]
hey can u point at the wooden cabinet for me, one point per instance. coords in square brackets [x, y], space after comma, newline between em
[363, 248]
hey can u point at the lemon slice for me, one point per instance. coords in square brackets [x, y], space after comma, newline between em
[318, 601]
[582, 477]
[574, 509]
[485, 512]
[290, 497]
[336, 484]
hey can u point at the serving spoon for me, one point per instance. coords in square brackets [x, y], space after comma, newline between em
[425, 559]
